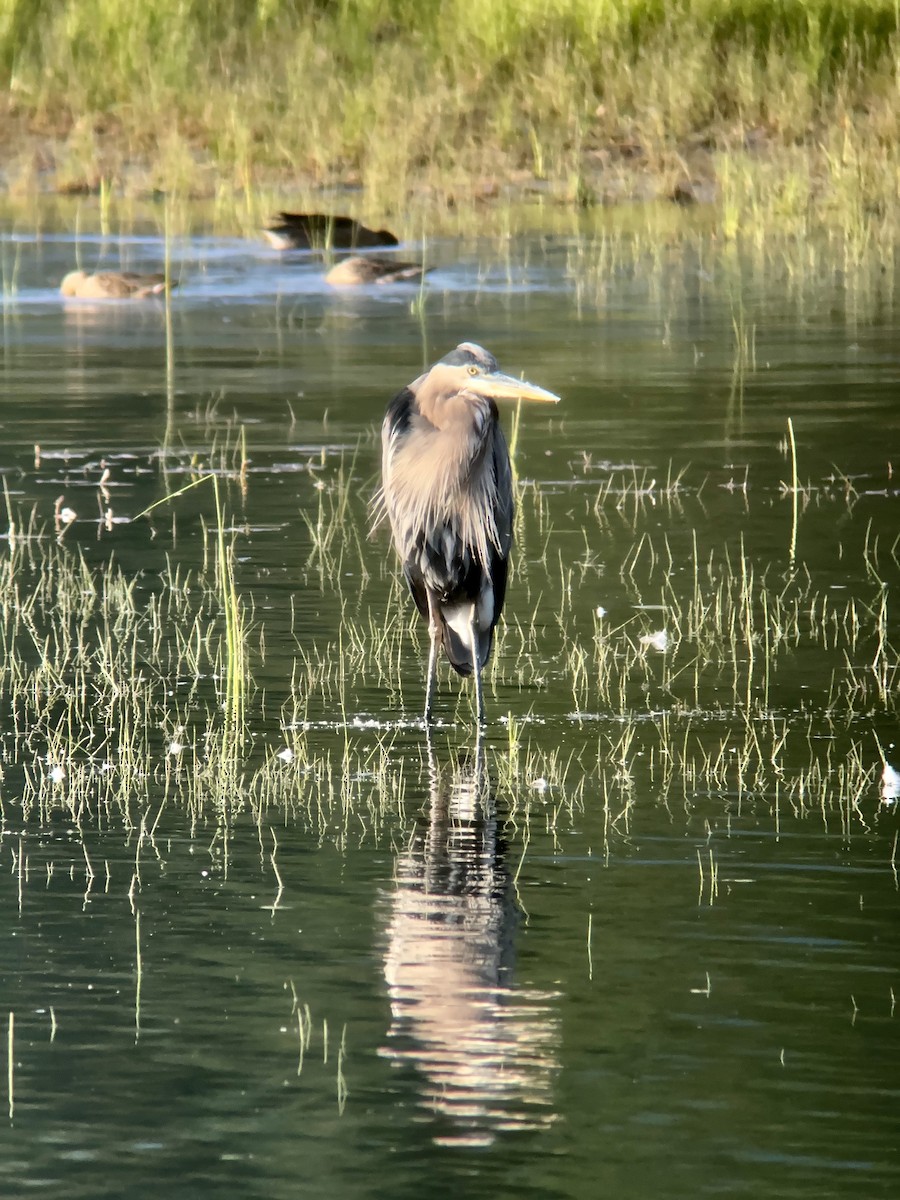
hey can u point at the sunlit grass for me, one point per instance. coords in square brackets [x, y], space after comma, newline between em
[788, 108]
[121, 690]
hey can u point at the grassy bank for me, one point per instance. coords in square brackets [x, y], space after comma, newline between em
[459, 100]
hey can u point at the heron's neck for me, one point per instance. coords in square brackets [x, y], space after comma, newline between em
[454, 446]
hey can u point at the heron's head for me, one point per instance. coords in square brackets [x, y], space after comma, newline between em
[471, 373]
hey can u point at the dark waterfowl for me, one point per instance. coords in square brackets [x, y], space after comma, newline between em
[112, 285]
[360, 269]
[313, 231]
[447, 491]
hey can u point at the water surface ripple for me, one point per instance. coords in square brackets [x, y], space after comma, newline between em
[643, 937]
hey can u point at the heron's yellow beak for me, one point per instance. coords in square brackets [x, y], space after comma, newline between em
[504, 387]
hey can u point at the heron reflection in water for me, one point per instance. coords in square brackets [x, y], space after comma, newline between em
[486, 1052]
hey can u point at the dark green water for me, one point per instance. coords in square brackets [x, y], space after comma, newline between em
[644, 939]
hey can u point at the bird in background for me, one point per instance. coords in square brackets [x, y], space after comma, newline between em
[447, 492]
[112, 285]
[317, 231]
[361, 269]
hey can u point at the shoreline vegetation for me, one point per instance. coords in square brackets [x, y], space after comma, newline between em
[775, 112]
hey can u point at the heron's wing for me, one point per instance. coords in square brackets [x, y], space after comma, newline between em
[478, 581]
[394, 430]
[504, 506]
[504, 515]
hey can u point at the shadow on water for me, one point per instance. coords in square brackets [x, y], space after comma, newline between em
[484, 1051]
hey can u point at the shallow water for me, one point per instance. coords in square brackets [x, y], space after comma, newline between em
[643, 937]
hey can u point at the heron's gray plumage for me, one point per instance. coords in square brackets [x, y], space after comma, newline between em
[447, 492]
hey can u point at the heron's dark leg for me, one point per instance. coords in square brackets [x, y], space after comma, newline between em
[476, 670]
[434, 637]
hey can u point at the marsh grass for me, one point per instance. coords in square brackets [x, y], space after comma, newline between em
[234, 668]
[759, 267]
[10, 1065]
[301, 1013]
[129, 696]
[789, 108]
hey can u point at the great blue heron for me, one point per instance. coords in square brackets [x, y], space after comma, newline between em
[112, 285]
[313, 231]
[447, 491]
[360, 269]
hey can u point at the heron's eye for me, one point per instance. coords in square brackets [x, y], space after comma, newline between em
[473, 370]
